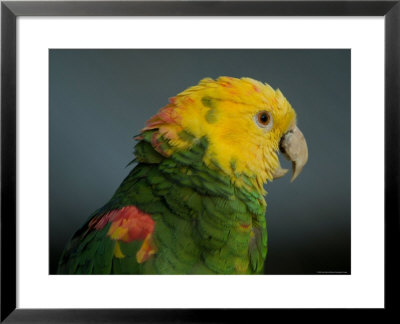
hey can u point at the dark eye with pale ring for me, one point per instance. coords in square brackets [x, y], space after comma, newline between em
[264, 119]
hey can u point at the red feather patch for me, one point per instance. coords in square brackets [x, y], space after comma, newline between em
[166, 115]
[128, 224]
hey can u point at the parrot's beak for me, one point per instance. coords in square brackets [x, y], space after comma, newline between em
[293, 145]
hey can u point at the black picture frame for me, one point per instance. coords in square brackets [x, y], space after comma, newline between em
[10, 10]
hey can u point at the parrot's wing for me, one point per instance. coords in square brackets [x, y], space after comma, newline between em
[117, 241]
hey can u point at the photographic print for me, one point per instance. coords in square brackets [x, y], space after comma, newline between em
[202, 161]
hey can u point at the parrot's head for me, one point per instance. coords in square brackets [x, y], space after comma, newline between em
[246, 123]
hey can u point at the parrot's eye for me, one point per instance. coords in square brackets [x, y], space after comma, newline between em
[264, 119]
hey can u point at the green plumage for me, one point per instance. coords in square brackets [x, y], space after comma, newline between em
[203, 223]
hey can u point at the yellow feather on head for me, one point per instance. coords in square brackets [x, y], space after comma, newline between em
[230, 113]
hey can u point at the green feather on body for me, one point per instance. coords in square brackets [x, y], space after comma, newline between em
[203, 222]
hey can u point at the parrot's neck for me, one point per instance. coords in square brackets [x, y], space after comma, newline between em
[249, 174]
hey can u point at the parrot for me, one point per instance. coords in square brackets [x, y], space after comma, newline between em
[194, 201]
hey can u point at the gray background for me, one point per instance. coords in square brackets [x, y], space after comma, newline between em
[100, 99]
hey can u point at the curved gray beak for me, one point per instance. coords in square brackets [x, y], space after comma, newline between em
[293, 145]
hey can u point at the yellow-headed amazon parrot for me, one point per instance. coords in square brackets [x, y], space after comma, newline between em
[194, 203]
